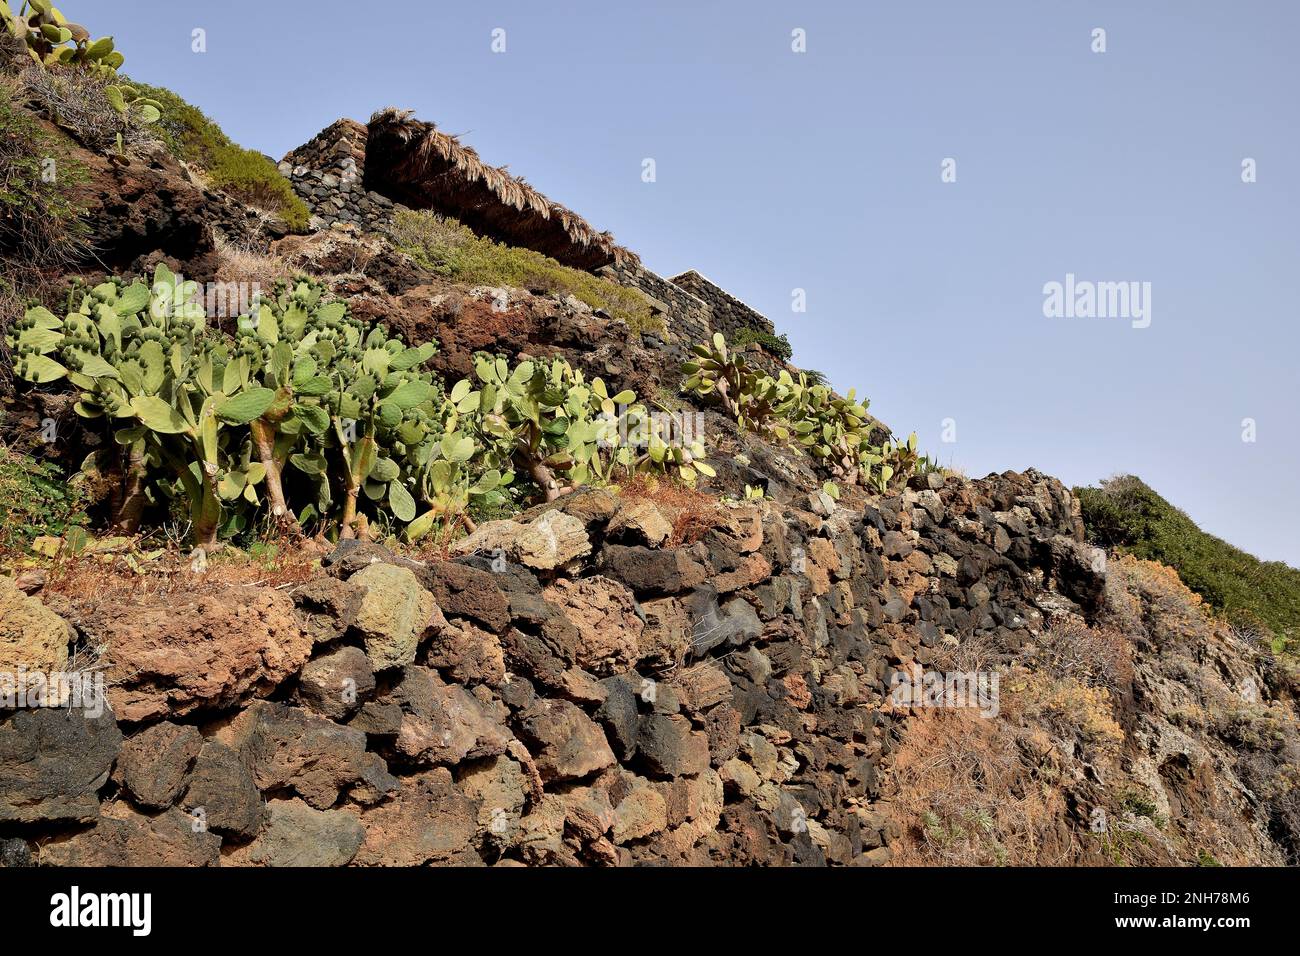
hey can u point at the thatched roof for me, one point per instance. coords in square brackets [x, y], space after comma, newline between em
[412, 162]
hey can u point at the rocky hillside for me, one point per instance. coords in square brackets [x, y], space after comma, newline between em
[790, 658]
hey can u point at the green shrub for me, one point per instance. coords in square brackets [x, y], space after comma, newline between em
[43, 230]
[562, 431]
[453, 250]
[1127, 515]
[777, 345]
[34, 501]
[190, 135]
[254, 179]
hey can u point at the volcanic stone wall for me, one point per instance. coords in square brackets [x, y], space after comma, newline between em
[728, 314]
[686, 317]
[582, 685]
[328, 173]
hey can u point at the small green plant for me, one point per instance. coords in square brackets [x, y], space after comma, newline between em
[132, 104]
[894, 463]
[561, 431]
[200, 417]
[41, 219]
[53, 41]
[35, 501]
[1140, 804]
[749, 396]
[833, 430]
[777, 345]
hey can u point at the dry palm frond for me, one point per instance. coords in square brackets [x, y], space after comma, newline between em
[417, 164]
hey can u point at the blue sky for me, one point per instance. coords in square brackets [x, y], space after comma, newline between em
[820, 170]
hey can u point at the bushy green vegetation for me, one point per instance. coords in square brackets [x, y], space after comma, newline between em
[34, 500]
[453, 250]
[1126, 514]
[192, 136]
[306, 415]
[59, 45]
[835, 431]
[777, 345]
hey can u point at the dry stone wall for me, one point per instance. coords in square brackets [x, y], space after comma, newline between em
[328, 173]
[728, 314]
[686, 317]
[578, 686]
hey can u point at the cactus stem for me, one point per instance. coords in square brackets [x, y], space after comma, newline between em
[264, 443]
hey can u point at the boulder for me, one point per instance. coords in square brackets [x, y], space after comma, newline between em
[551, 541]
[32, 637]
[327, 607]
[468, 655]
[666, 637]
[499, 785]
[620, 715]
[124, 836]
[640, 814]
[298, 835]
[654, 572]
[731, 624]
[333, 684]
[52, 762]
[639, 521]
[429, 819]
[469, 592]
[169, 656]
[153, 765]
[287, 747]
[443, 723]
[668, 746]
[603, 612]
[565, 743]
[394, 614]
[222, 792]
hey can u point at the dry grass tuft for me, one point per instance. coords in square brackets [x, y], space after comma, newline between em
[112, 576]
[246, 261]
[74, 99]
[1093, 657]
[967, 791]
[691, 512]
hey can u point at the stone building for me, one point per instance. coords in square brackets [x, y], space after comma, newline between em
[358, 174]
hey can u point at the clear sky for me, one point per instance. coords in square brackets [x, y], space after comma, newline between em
[821, 171]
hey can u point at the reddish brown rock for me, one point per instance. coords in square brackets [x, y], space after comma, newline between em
[565, 742]
[170, 656]
[290, 748]
[428, 819]
[125, 837]
[603, 613]
[468, 655]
